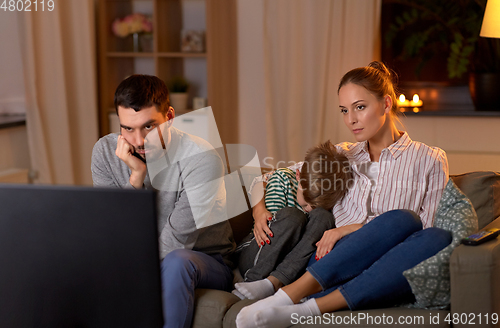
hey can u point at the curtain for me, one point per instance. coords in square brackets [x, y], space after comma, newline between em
[308, 47]
[11, 82]
[59, 68]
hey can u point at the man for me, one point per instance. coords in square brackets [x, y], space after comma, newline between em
[190, 192]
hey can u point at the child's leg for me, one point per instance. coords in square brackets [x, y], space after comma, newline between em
[287, 229]
[295, 262]
[249, 250]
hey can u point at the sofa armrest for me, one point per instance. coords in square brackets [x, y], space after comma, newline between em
[475, 278]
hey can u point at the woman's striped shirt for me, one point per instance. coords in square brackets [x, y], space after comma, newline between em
[411, 176]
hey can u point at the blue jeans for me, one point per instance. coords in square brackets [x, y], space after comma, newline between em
[181, 272]
[367, 265]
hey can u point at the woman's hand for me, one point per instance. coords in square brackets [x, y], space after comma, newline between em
[261, 217]
[331, 237]
[326, 243]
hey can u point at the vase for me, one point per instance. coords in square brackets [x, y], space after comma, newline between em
[135, 38]
[146, 42]
[484, 91]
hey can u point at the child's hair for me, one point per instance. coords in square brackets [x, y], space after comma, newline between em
[324, 176]
[377, 79]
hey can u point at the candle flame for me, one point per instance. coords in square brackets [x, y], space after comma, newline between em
[415, 98]
[402, 98]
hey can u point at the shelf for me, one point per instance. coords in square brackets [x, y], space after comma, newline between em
[182, 54]
[8, 121]
[466, 113]
[128, 54]
[212, 73]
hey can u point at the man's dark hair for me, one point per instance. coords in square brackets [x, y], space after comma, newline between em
[325, 176]
[141, 91]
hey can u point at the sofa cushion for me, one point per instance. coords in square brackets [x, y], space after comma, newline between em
[483, 190]
[430, 279]
[475, 277]
[230, 318]
[211, 306]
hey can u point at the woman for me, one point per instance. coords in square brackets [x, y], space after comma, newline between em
[397, 186]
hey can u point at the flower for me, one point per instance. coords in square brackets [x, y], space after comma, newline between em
[134, 23]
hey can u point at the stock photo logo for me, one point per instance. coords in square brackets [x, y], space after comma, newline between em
[239, 166]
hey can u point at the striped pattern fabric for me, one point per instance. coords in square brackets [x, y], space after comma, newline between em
[281, 190]
[412, 176]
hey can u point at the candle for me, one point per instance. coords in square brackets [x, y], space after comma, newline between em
[415, 103]
[402, 102]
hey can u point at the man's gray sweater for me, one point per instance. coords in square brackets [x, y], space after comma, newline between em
[191, 193]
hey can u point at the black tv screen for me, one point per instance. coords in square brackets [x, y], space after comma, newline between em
[78, 257]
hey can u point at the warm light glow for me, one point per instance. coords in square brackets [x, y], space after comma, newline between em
[491, 20]
[402, 101]
[414, 103]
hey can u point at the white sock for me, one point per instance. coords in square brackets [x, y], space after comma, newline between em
[237, 293]
[256, 290]
[245, 317]
[281, 317]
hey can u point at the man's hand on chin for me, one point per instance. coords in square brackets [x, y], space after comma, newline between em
[124, 151]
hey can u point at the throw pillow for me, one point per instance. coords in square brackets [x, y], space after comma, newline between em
[483, 190]
[430, 279]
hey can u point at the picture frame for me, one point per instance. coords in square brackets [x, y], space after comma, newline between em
[192, 40]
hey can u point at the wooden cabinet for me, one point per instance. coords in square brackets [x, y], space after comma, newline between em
[212, 74]
[15, 159]
[470, 142]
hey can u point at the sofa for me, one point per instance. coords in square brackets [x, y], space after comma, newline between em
[475, 278]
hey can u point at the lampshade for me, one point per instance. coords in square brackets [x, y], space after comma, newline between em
[491, 20]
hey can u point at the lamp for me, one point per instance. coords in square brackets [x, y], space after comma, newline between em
[491, 20]
[483, 83]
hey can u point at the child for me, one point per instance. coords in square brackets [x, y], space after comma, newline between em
[301, 212]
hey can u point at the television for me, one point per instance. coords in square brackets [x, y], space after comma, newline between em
[78, 257]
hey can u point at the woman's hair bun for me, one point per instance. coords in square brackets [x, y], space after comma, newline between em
[389, 73]
[381, 67]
